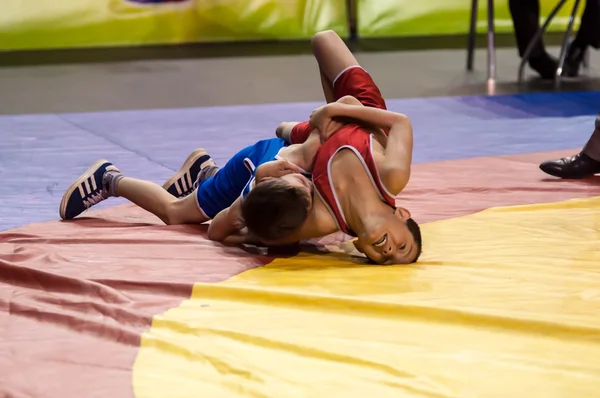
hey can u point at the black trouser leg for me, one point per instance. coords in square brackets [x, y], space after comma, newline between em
[589, 31]
[526, 21]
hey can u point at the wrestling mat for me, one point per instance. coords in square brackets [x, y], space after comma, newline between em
[505, 301]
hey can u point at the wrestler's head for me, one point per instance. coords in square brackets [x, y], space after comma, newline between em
[277, 206]
[390, 237]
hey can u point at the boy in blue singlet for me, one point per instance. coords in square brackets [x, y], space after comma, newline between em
[200, 189]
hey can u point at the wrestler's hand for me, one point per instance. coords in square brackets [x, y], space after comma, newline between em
[275, 169]
[322, 120]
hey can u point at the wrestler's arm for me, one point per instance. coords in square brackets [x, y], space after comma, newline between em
[274, 169]
[395, 171]
[377, 131]
[303, 154]
[228, 226]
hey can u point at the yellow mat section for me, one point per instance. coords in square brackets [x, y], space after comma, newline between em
[506, 303]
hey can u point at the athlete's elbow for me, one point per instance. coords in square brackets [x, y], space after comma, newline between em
[401, 126]
[215, 234]
[401, 119]
[396, 178]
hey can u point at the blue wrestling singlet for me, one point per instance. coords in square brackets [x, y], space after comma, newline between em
[221, 190]
[250, 183]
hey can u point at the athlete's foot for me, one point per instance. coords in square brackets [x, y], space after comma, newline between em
[92, 187]
[195, 168]
[545, 65]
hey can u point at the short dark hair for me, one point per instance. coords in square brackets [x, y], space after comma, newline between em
[274, 209]
[415, 230]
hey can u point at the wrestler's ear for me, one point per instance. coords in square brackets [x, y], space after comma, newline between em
[402, 213]
[357, 246]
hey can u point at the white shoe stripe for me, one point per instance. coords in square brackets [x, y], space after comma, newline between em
[183, 184]
[87, 186]
[189, 179]
[81, 191]
[177, 188]
[93, 181]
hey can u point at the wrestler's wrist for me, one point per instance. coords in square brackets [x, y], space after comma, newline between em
[335, 109]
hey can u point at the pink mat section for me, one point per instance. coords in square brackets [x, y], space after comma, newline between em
[443, 190]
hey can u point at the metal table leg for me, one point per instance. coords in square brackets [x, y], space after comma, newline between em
[491, 48]
[565, 46]
[537, 37]
[472, 35]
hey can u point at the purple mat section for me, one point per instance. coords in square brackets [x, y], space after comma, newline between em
[40, 155]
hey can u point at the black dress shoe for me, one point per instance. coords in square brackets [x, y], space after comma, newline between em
[577, 166]
[545, 65]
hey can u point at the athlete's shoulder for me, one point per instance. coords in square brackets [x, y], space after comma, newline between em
[320, 222]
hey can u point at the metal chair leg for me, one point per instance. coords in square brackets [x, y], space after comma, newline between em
[491, 44]
[351, 10]
[537, 37]
[565, 46]
[472, 35]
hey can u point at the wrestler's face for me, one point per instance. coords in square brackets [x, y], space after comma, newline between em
[389, 240]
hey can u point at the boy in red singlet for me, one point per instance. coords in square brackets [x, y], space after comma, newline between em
[359, 169]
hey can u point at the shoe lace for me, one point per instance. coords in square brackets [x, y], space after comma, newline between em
[572, 158]
[93, 199]
[201, 176]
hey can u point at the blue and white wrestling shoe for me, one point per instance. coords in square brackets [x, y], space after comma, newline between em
[198, 166]
[88, 190]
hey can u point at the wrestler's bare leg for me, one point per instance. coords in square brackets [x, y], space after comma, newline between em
[333, 57]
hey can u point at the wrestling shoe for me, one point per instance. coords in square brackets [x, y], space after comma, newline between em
[198, 166]
[91, 188]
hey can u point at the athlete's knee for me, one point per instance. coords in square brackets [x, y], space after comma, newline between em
[324, 33]
[169, 215]
[173, 213]
[350, 100]
[184, 211]
[320, 39]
